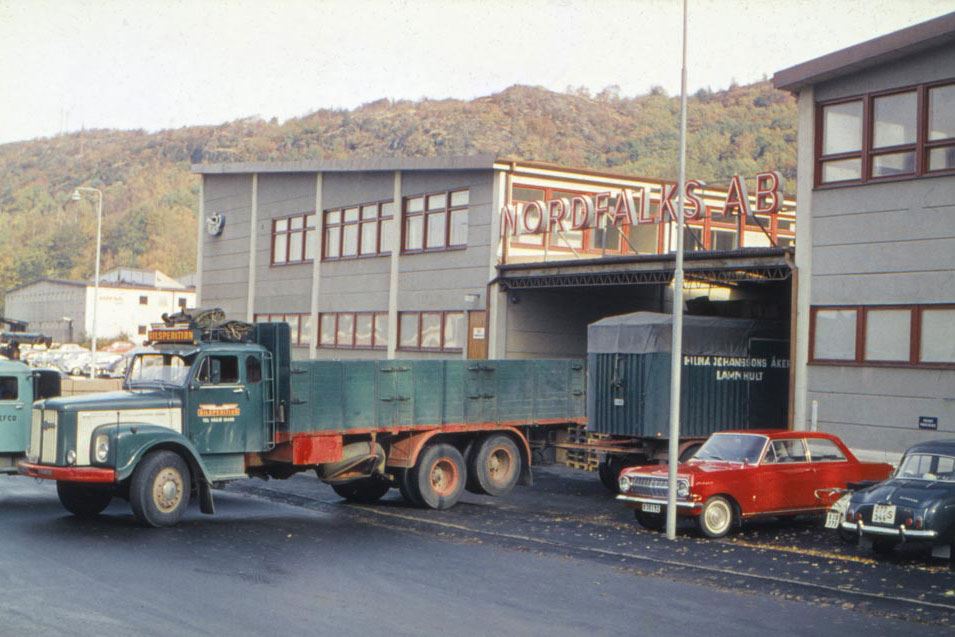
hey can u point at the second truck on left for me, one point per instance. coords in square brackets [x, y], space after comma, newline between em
[212, 405]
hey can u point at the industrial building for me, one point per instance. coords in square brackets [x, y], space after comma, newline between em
[129, 301]
[875, 249]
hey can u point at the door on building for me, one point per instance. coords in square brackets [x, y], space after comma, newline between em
[477, 334]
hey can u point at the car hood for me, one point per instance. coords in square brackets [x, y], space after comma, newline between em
[142, 399]
[906, 493]
[696, 469]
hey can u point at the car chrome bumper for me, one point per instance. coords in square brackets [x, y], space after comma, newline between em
[680, 504]
[67, 474]
[889, 531]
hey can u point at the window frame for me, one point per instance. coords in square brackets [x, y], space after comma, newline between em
[297, 333]
[288, 232]
[425, 213]
[375, 345]
[914, 336]
[442, 347]
[378, 221]
[867, 153]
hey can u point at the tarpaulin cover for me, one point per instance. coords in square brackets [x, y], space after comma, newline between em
[651, 332]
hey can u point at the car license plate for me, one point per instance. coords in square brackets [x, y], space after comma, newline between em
[883, 514]
[649, 507]
[833, 518]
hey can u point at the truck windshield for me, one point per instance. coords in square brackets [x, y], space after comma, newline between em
[925, 466]
[732, 448]
[162, 369]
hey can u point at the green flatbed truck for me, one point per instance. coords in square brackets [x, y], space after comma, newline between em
[209, 406]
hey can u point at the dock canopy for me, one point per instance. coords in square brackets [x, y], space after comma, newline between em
[651, 332]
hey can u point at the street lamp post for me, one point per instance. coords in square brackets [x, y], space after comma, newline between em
[99, 232]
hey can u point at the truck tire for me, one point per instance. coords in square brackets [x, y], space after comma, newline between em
[407, 490]
[496, 466]
[717, 517]
[689, 451]
[160, 489]
[364, 491]
[439, 477]
[82, 500]
[609, 473]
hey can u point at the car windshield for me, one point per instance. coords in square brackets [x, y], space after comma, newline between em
[164, 369]
[927, 466]
[732, 448]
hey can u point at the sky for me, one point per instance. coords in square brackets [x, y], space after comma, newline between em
[147, 64]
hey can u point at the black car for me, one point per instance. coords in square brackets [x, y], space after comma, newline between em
[917, 504]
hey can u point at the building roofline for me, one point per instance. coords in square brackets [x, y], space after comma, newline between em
[383, 164]
[885, 48]
[107, 285]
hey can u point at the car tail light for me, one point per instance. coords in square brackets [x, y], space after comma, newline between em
[918, 523]
[858, 517]
[908, 521]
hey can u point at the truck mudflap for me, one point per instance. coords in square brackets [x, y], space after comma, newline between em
[68, 474]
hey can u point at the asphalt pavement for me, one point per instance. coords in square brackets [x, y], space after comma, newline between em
[558, 558]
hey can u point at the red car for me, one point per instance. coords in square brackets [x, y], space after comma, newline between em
[737, 475]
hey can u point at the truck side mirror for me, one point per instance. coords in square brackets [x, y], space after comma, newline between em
[215, 371]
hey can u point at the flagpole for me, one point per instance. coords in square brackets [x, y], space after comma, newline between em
[676, 349]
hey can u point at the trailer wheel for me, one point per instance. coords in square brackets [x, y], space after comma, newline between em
[439, 477]
[407, 489]
[82, 500]
[716, 518]
[650, 521]
[609, 473]
[496, 466]
[689, 451]
[364, 491]
[160, 488]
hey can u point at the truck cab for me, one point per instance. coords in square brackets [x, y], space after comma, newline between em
[19, 387]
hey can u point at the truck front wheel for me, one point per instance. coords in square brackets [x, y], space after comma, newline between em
[160, 487]
[82, 500]
[439, 477]
[496, 466]
[363, 491]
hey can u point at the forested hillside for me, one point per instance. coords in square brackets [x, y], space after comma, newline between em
[151, 196]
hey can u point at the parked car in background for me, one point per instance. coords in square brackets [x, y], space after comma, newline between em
[738, 475]
[917, 504]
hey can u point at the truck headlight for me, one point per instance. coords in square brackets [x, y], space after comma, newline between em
[624, 484]
[683, 488]
[101, 447]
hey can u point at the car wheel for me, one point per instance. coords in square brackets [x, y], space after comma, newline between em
[160, 488]
[364, 491]
[717, 517]
[650, 521]
[496, 466]
[82, 500]
[439, 477]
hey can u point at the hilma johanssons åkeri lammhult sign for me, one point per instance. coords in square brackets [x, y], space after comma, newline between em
[586, 211]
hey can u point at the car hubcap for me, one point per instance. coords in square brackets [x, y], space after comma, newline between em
[444, 476]
[717, 517]
[167, 490]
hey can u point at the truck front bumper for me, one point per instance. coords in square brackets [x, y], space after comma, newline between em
[67, 474]
[637, 500]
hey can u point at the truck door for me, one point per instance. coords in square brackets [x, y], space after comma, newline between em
[15, 401]
[225, 408]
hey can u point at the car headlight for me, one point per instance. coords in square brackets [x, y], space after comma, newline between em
[624, 484]
[71, 457]
[101, 447]
[683, 488]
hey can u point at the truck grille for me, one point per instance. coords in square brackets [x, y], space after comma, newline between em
[33, 449]
[47, 437]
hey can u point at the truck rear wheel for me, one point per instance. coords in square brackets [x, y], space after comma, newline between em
[364, 491]
[496, 466]
[406, 487]
[82, 500]
[160, 488]
[438, 478]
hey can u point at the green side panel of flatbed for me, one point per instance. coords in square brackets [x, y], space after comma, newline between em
[362, 395]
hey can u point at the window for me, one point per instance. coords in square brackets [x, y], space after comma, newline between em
[435, 331]
[354, 330]
[144, 300]
[436, 222]
[300, 326]
[905, 133]
[141, 330]
[823, 450]
[182, 302]
[359, 231]
[8, 388]
[790, 450]
[906, 336]
[253, 369]
[228, 370]
[293, 239]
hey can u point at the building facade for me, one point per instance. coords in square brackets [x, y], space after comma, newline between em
[467, 256]
[875, 246]
[129, 301]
